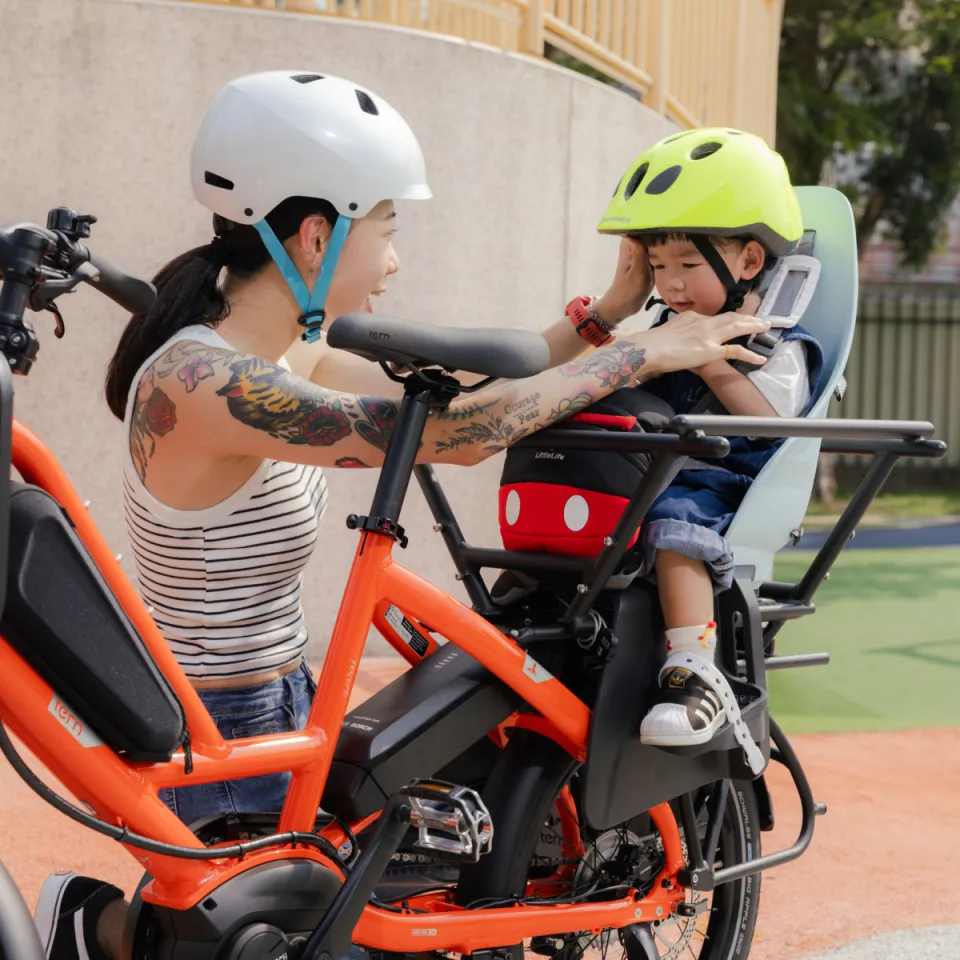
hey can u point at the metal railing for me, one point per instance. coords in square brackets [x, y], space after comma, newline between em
[698, 62]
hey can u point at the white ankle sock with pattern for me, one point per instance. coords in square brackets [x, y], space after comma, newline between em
[701, 640]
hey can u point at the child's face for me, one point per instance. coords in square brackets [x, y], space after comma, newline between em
[687, 282]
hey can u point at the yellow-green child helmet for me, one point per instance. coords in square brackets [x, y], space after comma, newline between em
[712, 181]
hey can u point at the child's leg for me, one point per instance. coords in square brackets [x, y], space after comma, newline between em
[686, 590]
[687, 711]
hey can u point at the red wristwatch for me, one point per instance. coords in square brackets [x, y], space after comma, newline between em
[583, 316]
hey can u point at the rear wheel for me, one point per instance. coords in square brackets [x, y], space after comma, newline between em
[528, 846]
[632, 853]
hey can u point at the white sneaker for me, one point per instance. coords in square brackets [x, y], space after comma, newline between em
[687, 711]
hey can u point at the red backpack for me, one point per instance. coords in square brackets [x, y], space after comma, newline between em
[567, 501]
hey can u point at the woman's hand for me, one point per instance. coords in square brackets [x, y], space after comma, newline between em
[631, 286]
[690, 341]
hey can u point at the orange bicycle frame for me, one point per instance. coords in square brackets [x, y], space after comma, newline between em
[125, 793]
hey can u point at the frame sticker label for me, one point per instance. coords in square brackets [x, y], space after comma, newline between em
[73, 724]
[536, 672]
[407, 632]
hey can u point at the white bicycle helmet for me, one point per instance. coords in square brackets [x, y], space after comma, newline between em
[287, 133]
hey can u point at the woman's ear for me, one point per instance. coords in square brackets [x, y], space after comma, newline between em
[313, 236]
[752, 259]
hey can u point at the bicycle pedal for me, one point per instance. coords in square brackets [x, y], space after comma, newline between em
[451, 820]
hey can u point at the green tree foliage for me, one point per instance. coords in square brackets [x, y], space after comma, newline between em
[876, 82]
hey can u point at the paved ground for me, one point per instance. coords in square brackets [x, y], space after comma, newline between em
[934, 943]
[892, 817]
[891, 800]
[904, 537]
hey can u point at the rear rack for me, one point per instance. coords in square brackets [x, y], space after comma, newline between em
[703, 437]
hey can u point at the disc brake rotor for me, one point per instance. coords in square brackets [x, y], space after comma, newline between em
[617, 856]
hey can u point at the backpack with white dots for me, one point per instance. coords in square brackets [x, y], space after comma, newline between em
[567, 501]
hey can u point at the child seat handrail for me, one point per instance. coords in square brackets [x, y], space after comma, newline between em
[886, 440]
[807, 427]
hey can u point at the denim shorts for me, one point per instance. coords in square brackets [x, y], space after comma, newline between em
[280, 706]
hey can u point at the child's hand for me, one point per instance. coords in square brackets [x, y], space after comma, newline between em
[631, 285]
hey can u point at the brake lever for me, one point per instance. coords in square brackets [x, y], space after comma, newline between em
[43, 297]
[59, 330]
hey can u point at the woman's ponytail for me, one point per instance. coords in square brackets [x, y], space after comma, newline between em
[188, 288]
[188, 292]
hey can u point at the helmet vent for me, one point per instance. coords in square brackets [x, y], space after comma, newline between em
[705, 150]
[306, 77]
[215, 180]
[662, 182]
[366, 103]
[635, 180]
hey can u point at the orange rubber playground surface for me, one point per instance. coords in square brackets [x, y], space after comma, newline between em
[882, 859]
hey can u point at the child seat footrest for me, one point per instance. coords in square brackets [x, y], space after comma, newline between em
[731, 708]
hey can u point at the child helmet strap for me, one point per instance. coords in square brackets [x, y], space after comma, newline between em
[736, 289]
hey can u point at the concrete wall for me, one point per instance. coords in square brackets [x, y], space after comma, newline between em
[100, 102]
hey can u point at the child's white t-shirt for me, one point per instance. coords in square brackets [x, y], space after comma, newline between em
[783, 379]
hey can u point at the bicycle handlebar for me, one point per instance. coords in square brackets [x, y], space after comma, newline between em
[39, 264]
[123, 288]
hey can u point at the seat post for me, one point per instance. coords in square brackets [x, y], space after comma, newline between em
[402, 452]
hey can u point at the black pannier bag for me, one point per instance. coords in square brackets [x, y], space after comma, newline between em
[62, 618]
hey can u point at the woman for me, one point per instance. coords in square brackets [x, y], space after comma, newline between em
[223, 483]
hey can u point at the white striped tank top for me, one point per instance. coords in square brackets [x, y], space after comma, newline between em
[224, 582]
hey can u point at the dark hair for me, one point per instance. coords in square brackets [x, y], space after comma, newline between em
[769, 260]
[188, 288]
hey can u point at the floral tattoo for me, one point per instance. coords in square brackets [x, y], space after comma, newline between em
[154, 415]
[613, 366]
[268, 397]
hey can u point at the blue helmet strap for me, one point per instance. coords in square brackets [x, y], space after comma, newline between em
[311, 303]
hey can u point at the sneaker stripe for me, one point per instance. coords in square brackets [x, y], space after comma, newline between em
[81, 939]
[48, 907]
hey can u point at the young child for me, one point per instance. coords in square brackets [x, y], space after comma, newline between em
[713, 210]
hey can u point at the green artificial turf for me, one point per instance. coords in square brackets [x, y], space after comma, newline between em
[890, 620]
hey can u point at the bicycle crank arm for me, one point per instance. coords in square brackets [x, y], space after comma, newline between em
[333, 935]
[452, 822]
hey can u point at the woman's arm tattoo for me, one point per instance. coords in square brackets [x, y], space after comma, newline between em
[154, 415]
[269, 397]
[496, 425]
[613, 366]
[260, 394]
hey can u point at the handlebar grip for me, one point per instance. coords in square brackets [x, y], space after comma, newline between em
[130, 292]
